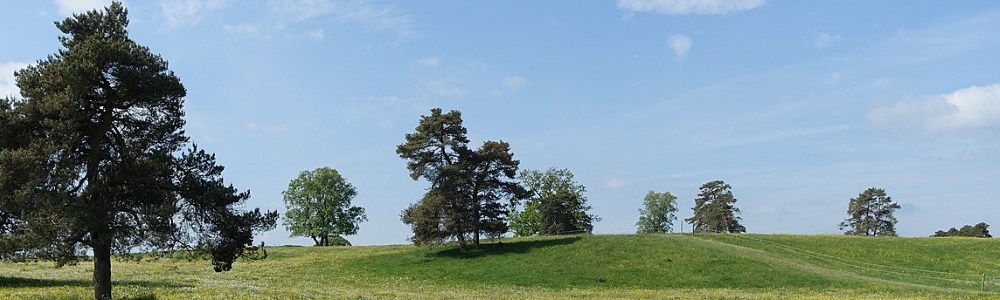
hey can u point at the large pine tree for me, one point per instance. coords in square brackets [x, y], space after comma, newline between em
[471, 191]
[94, 158]
[871, 214]
[715, 209]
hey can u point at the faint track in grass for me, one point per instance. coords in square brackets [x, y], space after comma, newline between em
[764, 256]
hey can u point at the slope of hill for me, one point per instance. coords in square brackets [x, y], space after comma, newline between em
[599, 267]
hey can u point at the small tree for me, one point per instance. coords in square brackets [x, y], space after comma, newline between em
[715, 210]
[979, 230]
[657, 213]
[319, 207]
[871, 214]
[557, 205]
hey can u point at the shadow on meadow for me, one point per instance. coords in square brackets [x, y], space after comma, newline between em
[518, 247]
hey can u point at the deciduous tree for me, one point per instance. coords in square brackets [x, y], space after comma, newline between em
[94, 157]
[871, 214]
[557, 205]
[657, 214]
[715, 209]
[319, 207]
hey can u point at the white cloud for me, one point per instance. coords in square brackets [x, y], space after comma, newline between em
[69, 7]
[7, 85]
[180, 13]
[432, 62]
[823, 40]
[615, 183]
[687, 7]
[681, 44]
[317, 35]
[971, 107]
[514, 82]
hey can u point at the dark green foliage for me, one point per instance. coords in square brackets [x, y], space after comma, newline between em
[319, 207]
[471, 191]
[980, 230]
[657, 213]
[95, 157]
[715, 210]
[871, 214]
[557, 205]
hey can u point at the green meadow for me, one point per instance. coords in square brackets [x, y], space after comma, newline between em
[714, 266]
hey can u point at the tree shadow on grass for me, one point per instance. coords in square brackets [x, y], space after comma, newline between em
[18, 282]
[516, 247]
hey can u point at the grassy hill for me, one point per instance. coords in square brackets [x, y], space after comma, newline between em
[598, 267]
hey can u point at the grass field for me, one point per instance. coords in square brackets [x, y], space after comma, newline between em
[576, 267]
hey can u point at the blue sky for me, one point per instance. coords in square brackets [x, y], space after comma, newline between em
[799, 105]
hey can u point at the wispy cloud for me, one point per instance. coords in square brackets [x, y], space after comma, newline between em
[180, 13]
[8, 88]
[823, 40]
[971, 107]
[688, 7]
[317, 35]
[615, 183]
[944, 40]
[514, 82]
[69, 7]
[443, 87]
[282, 13]
[680, 44]
[265, 128]
[246, 29]
[832, 78]
[431, 62]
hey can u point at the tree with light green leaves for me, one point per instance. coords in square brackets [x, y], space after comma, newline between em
[715, 209]
[94, 159]
[319, 207]
[657, 214]
[557, 205]
[871, 214]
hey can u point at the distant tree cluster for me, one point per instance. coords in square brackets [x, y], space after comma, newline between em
[980, 230]
[715, 211]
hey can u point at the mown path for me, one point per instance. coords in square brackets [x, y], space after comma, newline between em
[767, 257]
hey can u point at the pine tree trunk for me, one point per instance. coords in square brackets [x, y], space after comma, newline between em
[102, 268]
[478, 227]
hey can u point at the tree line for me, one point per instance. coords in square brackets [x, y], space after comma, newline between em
[481, 193]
